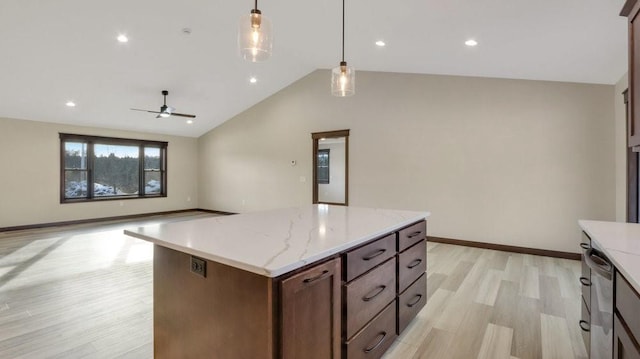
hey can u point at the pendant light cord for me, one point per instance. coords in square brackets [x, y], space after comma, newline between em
[342, 30]
[256, 5]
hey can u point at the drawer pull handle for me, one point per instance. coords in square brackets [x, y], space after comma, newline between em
[585, 282]
[372, 255]
[582, 326]
[313, 279]
[584, 245]
[382, 335]
[418, 297]
[414, 234]
[379, 289]
[414, 263]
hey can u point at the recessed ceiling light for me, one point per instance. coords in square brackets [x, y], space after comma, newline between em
[380, 43]
[189, 122]
[70, 104]
[123, 38]
[253, 80]
[471, 42]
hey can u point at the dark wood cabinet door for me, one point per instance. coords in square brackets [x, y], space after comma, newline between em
[624, 347]
[633, 122]
[311, 309]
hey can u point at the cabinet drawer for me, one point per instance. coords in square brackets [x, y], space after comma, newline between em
[368, 295]
[411, 264]
[375, 338]
[628, 304]
[411, 235]
[411, 301]
[370, 255]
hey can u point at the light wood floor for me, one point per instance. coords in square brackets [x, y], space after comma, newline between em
[488, 304]
[86, 292]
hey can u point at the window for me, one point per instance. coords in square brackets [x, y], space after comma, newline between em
[118, 168]
[323, 166]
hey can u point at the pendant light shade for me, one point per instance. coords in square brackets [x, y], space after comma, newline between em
[343, 80]
[343, 77]
[255, 39]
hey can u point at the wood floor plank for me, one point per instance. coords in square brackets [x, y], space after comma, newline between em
[469, 336]
[551, 304]
[526, 329]
[489, 286]
[456, 276]
[573, 315]
[496, 343]
[514, 267]
[530, 282]
[437, 345]
[556, 340]
[434, 282]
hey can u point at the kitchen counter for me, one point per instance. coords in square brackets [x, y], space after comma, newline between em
[276, 284]
[621, 243]
[275, 242]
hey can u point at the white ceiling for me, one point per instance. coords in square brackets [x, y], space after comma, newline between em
[55, 51]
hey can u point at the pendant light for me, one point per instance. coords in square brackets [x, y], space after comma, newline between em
[255, 39]
[343, 77]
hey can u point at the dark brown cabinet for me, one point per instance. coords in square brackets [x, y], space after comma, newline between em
[626, 322]
[367, 296]
[375, 338]
[624, 347]
[384, 288]
[342, 307]
[631, 10]
[311, 313]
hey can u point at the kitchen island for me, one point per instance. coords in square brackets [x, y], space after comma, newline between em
[317, 281]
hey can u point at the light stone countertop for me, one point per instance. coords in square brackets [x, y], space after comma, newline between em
[275, 242]
[621, 243]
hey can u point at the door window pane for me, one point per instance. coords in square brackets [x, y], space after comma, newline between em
[323, 166]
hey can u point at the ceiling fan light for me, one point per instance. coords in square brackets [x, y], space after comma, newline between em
[343, 80]
[165, 114]
[255, 39]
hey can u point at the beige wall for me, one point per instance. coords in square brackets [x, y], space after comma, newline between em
[30, 185]
[502, 161]
[621, 149]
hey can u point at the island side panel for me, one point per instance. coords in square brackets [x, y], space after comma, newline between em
[228, 314]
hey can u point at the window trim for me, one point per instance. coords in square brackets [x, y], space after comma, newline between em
[91, 141]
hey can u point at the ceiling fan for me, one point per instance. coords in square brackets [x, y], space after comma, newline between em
[165, 111]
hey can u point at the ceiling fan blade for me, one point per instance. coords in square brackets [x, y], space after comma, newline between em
[137, 109]
[182, 115]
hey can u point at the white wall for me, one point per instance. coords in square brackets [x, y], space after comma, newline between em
[495, 160]
[334, 191]
[621, 149]
[30, 183]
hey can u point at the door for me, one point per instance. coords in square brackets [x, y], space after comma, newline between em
[311, 311]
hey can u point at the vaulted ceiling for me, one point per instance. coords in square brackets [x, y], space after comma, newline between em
[52, 52]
